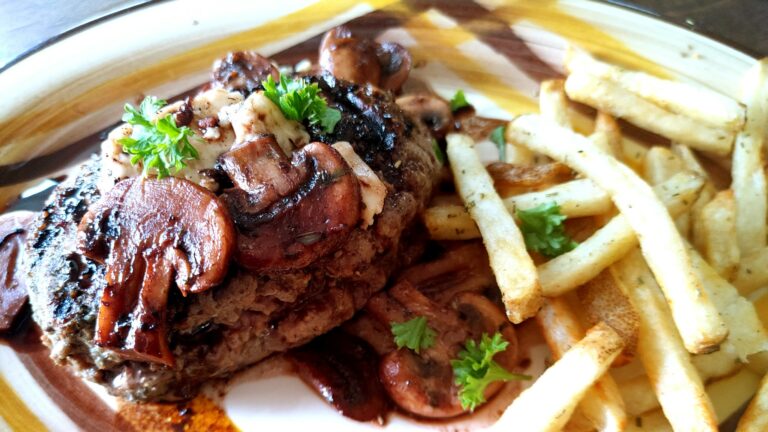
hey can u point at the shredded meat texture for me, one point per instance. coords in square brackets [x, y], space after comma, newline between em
[257, 309]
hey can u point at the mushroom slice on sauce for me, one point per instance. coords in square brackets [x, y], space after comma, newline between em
[301, 226]
[432, 110]
[151, 233]
[13, 288]
[243, 71]
[364, 61]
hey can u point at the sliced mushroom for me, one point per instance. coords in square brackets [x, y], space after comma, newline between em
[432, 110]
[515, 179]
[395, 62]
[13, 288]
[299, 227]
[423, 383]
[364, 61]
[243, 71]
[261, 168]
[150, 233]
[341, 368]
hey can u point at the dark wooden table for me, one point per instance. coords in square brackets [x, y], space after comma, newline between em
[741, 23]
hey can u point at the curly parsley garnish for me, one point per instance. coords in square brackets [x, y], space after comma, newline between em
[475, 369]
[542, 228]
[497, 136]
[458, 101]
[414, 334]
[156, 142]
[301, 101]
[439, 154]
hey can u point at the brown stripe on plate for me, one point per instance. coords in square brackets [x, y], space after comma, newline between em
[494, 32]
[369, 25]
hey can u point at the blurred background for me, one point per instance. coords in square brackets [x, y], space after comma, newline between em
[740, 23]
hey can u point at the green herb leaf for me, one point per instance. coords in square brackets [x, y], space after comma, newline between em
[414, 334]
[301, 101]
[475, 369]
[543, 230]
[438, 152]
[497, 136]
[458, 101]
[157, 143]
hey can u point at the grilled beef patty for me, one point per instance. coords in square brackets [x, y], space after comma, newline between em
[250, 315]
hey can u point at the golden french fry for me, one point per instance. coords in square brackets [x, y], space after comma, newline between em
[638, 396]
[450, 222]
[602, 300]
[696, 318]
[661, 164]
[607, 135]
[717, 234]
[602, 403]
[749, 182]
[689, 159]
[677, 385]
[698, 223]
[697, 102]
[731, 393]
[753, 272]
[649, 422]
[576, 198]
[515, 273]
[549, 402]
[746, 332]
[610, 97]
[633, 153]
[553, 103]
[755, 419]
[718, 364]
[612, 241]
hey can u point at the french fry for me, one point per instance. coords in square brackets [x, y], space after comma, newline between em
[746, 332]
[670, 372]
[753, 272]
[749, 182]
[718, 364]
[696, 318]
[515, 273]
[633, 153]
[717, 233]
[689, 159]
[607, 135]
[755, 419]
[610, 97]
[553, 103]
[612, 241]
[602, 300]
[661, 164]
[602, 403]
[698, 226]
[450, 222]
[731, 393]
[638, 396]
[576, 198]
[549, 402]
[697, 102]
[649, 422]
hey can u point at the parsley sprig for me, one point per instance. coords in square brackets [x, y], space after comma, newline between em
[157, 143]
[458, 101]
[301, 101]
[475, 369]
[497, 136]
[543, 230]
[414, 334]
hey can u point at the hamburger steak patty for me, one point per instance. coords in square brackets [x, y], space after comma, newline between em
[250, 315]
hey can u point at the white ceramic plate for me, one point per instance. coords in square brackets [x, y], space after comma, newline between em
[496, 51]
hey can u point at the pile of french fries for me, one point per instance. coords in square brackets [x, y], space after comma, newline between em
[650, 320]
